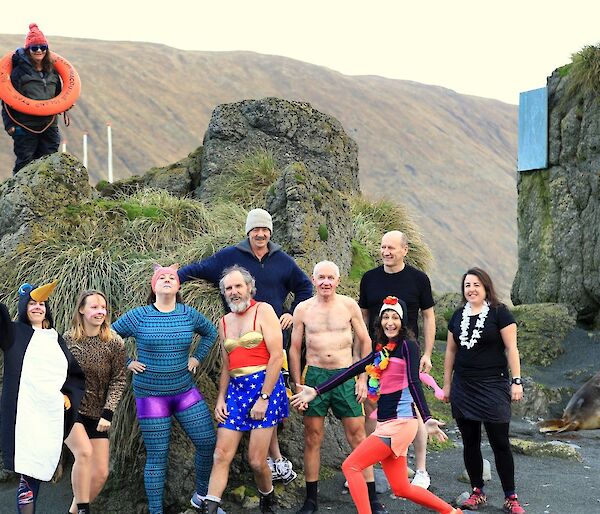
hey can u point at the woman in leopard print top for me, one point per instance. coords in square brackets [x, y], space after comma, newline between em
[101, 354]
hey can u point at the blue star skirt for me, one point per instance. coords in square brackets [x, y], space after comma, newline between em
[242, 394]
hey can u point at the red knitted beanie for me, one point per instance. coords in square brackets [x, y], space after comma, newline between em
[35, 36]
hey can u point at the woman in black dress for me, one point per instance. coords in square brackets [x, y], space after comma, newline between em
[482, 347]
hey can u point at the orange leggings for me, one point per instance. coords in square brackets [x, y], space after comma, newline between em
[373, 450]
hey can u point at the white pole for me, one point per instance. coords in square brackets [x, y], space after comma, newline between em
[85, 162]
[64, 146]
[110, 164]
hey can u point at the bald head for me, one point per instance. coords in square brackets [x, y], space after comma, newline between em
[394, 247]
[395, 236]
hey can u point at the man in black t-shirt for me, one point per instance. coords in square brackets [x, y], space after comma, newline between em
[411, 286]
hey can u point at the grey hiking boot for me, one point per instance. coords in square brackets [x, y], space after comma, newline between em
[206, 506]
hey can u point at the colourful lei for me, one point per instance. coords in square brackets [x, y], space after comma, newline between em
[382, 359]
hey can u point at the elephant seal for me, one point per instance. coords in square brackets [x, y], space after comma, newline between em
[581, 413]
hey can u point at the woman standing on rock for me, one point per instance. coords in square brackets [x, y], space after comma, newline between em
[163, 381]
[33, 75]
[482, 346]
[393, 370]
[42, 387]
[101, 354]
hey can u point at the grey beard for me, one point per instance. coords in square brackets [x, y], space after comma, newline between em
[239, 307]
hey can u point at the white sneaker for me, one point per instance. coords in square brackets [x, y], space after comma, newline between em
[274, 473]
[284, 470]
[421, 479]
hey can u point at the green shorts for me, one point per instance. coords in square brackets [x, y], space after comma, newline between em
[341, 400]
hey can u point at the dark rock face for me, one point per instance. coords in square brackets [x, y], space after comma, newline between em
[559, 210]
[292, 131]
[179, 179]
[311, 219]
[542, 329]
[37, 191]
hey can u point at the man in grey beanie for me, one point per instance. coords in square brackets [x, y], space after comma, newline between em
[276, 275]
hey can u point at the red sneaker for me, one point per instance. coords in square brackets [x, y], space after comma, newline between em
[512, 505]
[476, 500]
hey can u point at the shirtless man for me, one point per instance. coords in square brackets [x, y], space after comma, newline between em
[330, 322]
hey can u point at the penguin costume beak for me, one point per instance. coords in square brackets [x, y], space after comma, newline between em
[42, 293]
[38, 294]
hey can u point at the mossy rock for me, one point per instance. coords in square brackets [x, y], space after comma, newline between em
[245, 495]
[179, 179]
[542, 328]
[445, 305]
[556, 449]
[127, 186]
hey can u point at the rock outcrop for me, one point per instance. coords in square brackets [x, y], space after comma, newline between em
[291, 131]
[311, 219]
[317, 174]
[556, 449]
[542, 329]
[559, 208]
[179, 179]
[37, 193]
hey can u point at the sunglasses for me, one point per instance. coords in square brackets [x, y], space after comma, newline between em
[38, 48]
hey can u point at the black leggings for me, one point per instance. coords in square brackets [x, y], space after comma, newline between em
[498, 437]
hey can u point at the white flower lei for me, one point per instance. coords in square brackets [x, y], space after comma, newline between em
[478, 330]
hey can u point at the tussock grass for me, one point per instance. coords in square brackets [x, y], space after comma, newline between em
[372, 219]
[249, 181]
[111, 245]
[583, 73]
[102, 246]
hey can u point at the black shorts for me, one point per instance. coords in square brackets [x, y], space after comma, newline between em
[90, 425]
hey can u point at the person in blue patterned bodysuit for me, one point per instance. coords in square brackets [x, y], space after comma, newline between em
[163, 382]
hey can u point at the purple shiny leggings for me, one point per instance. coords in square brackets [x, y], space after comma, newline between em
[165, 406]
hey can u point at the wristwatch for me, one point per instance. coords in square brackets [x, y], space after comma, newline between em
[517, 381]
[265, 396]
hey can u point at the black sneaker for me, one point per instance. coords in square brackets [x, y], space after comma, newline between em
[378, 508]
[309, 507]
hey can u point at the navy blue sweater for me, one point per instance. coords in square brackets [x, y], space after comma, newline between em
[276, 274]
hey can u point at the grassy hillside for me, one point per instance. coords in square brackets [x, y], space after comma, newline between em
[449, 158]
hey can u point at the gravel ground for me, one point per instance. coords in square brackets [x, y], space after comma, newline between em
[546, 485]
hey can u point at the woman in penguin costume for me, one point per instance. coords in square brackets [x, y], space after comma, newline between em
[43, 385]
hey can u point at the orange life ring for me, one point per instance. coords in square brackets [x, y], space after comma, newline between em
[71, 89]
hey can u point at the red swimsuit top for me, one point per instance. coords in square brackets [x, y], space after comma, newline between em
[248, 350]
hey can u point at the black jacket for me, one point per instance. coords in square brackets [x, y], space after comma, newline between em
[32, 84]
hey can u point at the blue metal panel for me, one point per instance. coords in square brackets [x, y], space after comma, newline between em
[533, 130]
